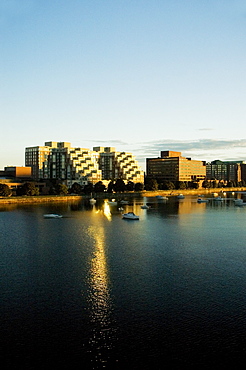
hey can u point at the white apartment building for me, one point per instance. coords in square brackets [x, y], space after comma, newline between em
[59, 161]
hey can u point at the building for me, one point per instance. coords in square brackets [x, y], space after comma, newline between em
[171, 166]
[23, 173]
[15, 177]
[35, 156]
[59, 161]
[71, 165]
[119, 165]
[226, 171]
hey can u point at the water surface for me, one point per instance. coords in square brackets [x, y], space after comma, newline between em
[97, 291]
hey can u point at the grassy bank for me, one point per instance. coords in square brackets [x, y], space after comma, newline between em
[40, 199]
[191, 191]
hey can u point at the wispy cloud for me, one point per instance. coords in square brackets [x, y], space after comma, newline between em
[194, 145]
[204, 149]
[205, 129]
[108, 142]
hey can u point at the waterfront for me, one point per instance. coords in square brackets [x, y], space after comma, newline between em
[97, 291]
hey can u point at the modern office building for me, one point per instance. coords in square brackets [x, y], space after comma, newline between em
[171, 166]
[225, 170]
[59, 161]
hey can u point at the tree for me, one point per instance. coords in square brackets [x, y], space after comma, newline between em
[181, 185]
[28, 188]
[168, 185]
[110, 186]
[119, 186]
[5, 190]
[194, 185]
[61, 189]
[139, 186]
[99, 187]
[152, 184]
[130, 186]
[206, 184]
[76, 188]
[89, 188]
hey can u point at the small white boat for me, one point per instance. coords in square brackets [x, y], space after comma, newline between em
[145, 206]
[180, 196]
[124, 202]
[112, 202]
[200, 200]
[92, 201]
[161, 197]
[239, 202]
[130, 216]
[52, 215]
[219, 199]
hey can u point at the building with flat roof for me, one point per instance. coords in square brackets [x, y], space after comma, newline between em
[171, 166]
[20, 172]
[226, 170]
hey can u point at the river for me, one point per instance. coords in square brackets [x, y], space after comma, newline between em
[94, 291]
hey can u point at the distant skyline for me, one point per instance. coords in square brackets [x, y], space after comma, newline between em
[140, 75]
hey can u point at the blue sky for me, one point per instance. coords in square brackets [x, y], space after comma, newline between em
[139, 75]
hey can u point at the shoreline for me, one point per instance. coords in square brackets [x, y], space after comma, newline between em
[145, 193]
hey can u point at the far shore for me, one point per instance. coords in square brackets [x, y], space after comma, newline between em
[145, 193]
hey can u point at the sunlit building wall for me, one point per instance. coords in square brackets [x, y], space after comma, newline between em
[171, 166]
[71, 165]
[35, 156]
[115, 165]
[60, 161]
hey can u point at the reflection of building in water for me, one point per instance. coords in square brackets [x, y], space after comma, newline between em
[99, 300]
[187, 206]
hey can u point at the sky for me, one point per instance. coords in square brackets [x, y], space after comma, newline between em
[139, 75]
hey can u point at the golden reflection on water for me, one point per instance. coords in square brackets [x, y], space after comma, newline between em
[100, 305]
[106, 211]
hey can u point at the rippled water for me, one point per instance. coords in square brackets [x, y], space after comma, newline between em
[93, 291]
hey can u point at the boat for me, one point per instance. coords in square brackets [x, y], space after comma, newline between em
[112, 202]
[124, 202]
[145, 206]
[130, 216]
[92, 201]
[180, 196]
[200, 200]
[219, 199]
[239, 202]
[52, 215]
[161, 197]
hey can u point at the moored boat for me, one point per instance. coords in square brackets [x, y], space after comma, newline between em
[92, 201]
[219, 199]
[239, 202]
[130, 216]
[52, 215]
[145, 206]
[200, 200]
[112, 202]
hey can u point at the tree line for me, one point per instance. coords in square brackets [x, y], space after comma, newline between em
[117, 186]
[30, 189]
